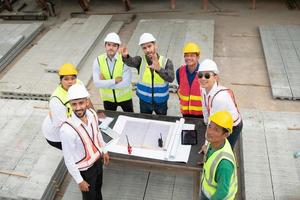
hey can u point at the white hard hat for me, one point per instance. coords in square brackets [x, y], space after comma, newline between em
[146, 37]
[112, 37]
[208, 65]
[77, 91]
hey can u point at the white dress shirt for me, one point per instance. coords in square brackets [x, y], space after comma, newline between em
[222, 101]
[111, 83]
[72, 146]
[51, 126]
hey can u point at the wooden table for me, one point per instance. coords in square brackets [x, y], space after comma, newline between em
[160, 165]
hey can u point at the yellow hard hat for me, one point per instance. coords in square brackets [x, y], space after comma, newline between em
[191, 47]
[67, 69]
[223, 119]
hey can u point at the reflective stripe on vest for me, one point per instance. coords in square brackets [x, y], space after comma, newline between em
[209, 185]
[190, 96]
[91, 146]
[113, 95]
[230, 92]
[61, 94]
[159, 93]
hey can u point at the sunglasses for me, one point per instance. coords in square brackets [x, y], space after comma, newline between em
[206, 75]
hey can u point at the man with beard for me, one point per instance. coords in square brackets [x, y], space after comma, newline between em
[155, 74]
[83, 146]
[113, 77]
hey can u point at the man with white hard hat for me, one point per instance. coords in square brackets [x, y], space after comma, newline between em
[83, 146]
[113, 77]
[155, 74]
[216, 97]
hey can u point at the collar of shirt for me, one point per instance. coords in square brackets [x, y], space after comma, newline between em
[78, 122]
[213, 90]
[194, 72]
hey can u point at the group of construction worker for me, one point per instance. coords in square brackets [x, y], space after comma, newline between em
[72, 123]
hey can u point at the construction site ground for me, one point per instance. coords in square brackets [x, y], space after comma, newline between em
[237, 46]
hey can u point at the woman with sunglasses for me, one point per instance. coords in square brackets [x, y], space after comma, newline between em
[216, 97]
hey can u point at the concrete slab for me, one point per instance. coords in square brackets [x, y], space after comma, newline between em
[269, 169]
[281, 51]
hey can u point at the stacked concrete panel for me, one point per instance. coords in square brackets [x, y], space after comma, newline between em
[269, 140]
[33, 169]
[281, 46]
[34, 76]
[14, 38]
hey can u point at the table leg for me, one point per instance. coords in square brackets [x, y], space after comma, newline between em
[196, 186]
[253, 4]
[205, 4]
[173, 4]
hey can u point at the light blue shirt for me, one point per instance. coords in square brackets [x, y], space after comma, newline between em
[110, 83]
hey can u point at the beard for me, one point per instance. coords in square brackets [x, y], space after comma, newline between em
[80, 113]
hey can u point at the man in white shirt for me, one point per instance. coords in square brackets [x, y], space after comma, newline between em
[113, 77]
[83, 145]
[216, 97]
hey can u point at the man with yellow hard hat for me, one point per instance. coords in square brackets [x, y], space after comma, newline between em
[219, 176]
[59, 105]
[189, 89]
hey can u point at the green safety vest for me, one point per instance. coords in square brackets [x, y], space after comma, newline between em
[113, 95]
[209, 184]
[62, 95]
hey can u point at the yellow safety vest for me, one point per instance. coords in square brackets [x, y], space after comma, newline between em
[113, 95]
[148, 91]
[209, 184]
[62, 95]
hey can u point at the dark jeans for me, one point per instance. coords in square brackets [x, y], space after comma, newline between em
[202, 196]
[93, 176]
[234, 136]
[192, 116]
[126, 106]
[55, 144]
[148, 108]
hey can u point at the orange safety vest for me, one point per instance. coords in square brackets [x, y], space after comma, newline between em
[230, 92]
[91, 146]
[190, 96]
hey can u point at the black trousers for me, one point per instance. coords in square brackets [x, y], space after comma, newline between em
[93, 176]
[192, 116]
[234, 136]
[126, 106]
[55, 144]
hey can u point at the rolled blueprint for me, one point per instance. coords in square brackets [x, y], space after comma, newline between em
[174, 140]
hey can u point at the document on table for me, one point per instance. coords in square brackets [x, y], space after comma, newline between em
[143, 135]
